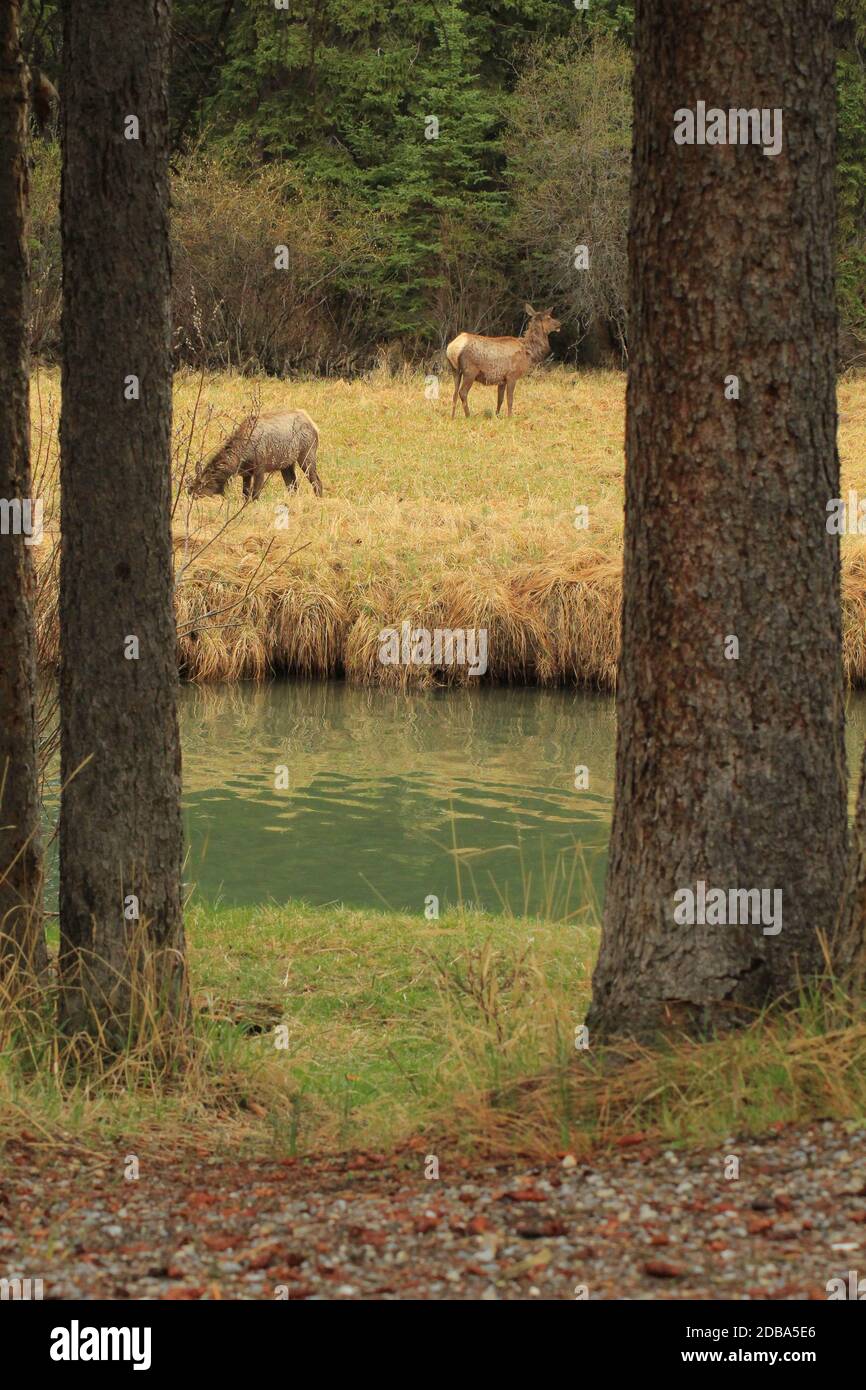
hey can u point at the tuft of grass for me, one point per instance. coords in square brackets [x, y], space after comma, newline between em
[799, 1063]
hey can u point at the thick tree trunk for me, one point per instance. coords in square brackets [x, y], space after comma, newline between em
[120, 821]
[21, 935]
[730, 772]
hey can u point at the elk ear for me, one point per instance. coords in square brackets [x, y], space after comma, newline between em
[528, 309]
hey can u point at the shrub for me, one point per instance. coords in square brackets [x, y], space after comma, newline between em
[232, 308]
[569, 152]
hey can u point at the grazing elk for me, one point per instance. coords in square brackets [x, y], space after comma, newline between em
[498, 361]
[275, 441]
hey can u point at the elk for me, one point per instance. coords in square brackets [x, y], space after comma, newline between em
[277, 441]
[498, 362]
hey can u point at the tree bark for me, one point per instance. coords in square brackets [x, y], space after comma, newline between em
[22, 941]
[730, 772]
[121, 834]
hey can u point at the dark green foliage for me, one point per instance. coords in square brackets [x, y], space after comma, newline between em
[569, 156]
[336, 94]
[345, 89]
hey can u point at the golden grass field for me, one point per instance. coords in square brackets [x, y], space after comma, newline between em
[460, 524]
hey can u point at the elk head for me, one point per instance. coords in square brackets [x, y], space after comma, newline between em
[543, 319]
[194, 483]
[205, 482]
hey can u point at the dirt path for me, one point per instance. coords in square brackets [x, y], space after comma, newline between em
[638, 1223]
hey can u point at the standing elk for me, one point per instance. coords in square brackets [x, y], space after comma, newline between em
[498, 362]
[277, 441]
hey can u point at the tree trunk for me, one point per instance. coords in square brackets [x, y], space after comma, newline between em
[730, 772]
[21, 868]
[122, 944]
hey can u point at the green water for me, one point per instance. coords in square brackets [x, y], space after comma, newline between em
[383, 788]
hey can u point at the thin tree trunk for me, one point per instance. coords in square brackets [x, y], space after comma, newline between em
[122, 943]
[22, 939]
[730, 772]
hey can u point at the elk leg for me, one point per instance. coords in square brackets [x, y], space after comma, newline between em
[258, 483]
[500, 393]
[315, 480]
[307, 463]
[246, 484]
[468, 382]
[510, 389]
[457, 376]
[289, 478]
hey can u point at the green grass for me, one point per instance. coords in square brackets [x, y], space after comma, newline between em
[406, 1032]
[388, 1017]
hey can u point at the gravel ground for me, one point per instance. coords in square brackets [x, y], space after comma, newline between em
[640, 1222]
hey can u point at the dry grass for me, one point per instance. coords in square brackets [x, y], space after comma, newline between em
[461, 525]
[789, 1067]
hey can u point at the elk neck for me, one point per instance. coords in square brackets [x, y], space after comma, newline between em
[536, 343]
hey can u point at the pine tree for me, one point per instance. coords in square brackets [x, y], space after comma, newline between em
[121, 837]
[730, 771]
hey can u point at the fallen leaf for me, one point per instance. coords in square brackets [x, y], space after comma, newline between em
[759, 1224]
[218, 1242]
[658, 1269]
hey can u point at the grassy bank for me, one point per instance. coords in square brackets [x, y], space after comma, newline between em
[398, 1031]
[464, 524]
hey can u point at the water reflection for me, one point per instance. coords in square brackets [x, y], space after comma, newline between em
[382, 787]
